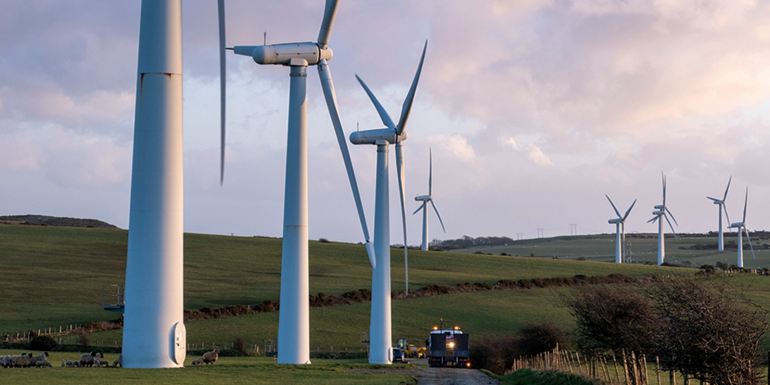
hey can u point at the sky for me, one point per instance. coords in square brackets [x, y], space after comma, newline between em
[533, 110]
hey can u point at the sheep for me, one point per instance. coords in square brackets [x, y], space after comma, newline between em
[43, 364]
[5, 361]
[210, 357]
[198, 361]
[118, 361]
[33, 360]
[87, 359]
[101, 363]
[69, 364]
[21, 361]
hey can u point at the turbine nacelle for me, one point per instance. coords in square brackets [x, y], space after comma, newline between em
[659, 207]
[373, 136]
[615, 221]
[736, 225]
[659, 212]
[423, 198]
[290, 54]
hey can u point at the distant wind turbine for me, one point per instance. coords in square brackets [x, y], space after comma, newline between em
[620, 230]
[741, 226]
[721, 203]
[424, 207]
[662, 211]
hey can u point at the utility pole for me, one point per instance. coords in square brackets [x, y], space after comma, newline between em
[573, 229]
[540, 232]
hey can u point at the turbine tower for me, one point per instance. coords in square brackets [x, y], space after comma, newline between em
[662, 211]
[620, 230]
[424, 207]
[721, 203]
[154, 334]
[380, 339]
[294, 316]
[741, 226]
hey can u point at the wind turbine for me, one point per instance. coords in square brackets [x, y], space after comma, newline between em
[380, 338]
[662, 211]
[154, 334]
[424, 207]
[620, 230]
[294, 316]
[721, 203]
[741, 226]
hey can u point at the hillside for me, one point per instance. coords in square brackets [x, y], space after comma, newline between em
[45, 220]
[53, 276]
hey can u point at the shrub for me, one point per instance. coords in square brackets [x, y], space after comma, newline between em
[544, 337]
[83, 340]
[239, 346]
[43, 343]
[493, 353]
[323, 240]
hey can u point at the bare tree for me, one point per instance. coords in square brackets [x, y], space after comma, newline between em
[709, 333]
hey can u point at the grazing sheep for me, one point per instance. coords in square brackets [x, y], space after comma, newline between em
[101, 363]
[33, 360]
[69, 364]
[87, 359]
[21, 361]
[5, 361]
[43, 364]
[198, 361]
[210, 357]
[118, 361]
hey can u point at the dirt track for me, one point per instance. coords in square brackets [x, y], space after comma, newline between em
[440, 376]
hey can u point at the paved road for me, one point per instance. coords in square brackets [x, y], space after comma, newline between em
[440, 376]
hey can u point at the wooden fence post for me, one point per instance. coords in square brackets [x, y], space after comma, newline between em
[657, 368]
[625, 366]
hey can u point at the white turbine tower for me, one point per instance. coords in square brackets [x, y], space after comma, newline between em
[741, 226]
[294, 316]
[424, 207]
[380, 340]
[620, 230]
[721, 203]
[662, 211]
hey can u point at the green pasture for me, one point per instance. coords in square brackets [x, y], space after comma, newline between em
[643, 248]
[53, 276]
[227, 370]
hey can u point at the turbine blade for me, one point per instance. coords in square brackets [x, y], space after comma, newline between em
[655, 218]
[749, 238]
[672, 215]
[437, 214]
[419, 208]
[745, 204]
[331, 102]
[613, 206]
[430, 174]
[401, 190]
[629, 211]
[380, 109]
[728, 187]
[407, 107]
[222, 89]
[664, 188]
[728, 216]
[672, 227]
[330, 12]
[714, 199]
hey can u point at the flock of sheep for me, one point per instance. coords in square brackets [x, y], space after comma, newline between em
[27, 360]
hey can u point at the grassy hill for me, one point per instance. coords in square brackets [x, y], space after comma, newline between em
[53, 276]
[687, 250]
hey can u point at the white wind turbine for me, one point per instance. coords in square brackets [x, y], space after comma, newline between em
[154, 334]
[380, 337]
[741, 226]
[721, 203]
[424, 207]
[662, 211]
[620, 230]
[294, 316]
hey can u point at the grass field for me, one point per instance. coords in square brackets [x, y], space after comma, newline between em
[229, 370]
[644, 248]
[53, 276]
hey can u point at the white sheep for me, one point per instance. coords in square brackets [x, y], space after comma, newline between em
[43, 364]
[5, 361]
[101, 363]
[118, 361]
[33, 360]
[198, 361]
[210, 357]
[20, 361]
